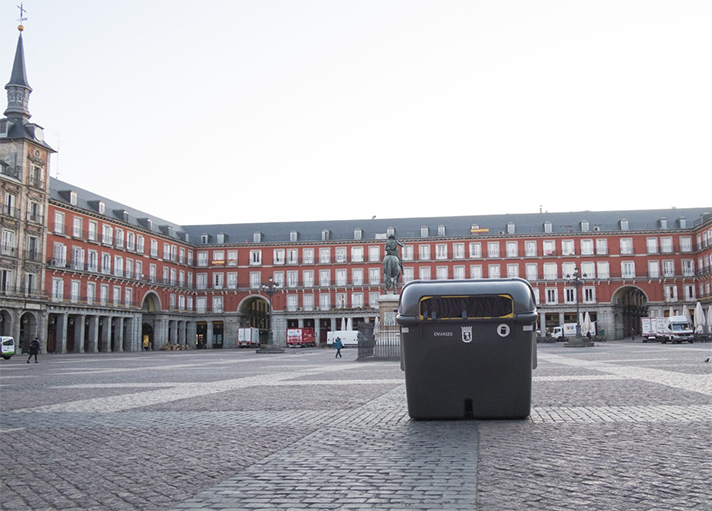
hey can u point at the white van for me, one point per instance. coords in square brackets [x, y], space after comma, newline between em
[348, 337]
[8, 347]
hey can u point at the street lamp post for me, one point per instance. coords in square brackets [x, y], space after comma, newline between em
[577, 280]
[270, 288]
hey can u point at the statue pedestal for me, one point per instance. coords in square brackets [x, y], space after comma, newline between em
[388, 336]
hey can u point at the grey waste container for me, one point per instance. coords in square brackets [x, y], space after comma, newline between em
[468, 348]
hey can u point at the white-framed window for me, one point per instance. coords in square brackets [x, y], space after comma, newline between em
[357, 300]
[628, 269]
[666, 245]
[74, 291]
[255, 257]
[201, 304]
[59, 222]
[92, 261]
[356, 254]
[569, 295]
[668, 268]
[7, 242]
[255, 280]
[107, 234]
[119, 238]
[493, 249]
[476, 271]
[104, 295]
[91, 293]
[408, 253]
[181, 302]
[550, 271]
[340, 254]
[374, 276]
[530, 248]
[513, 270]
[651, 245]
[532, 273]
[512, 248]
[341, 277]
[441, 273]
[589, 294]
[458, 272]
[587, 247]
[408, 274]
[106, 263]
[626, 246]
[140, 247]
[424, 273]
[292, 278]
[57, 290]
[653, 269]
[373, 299]
[218, 280]
[131, 241]
[552, 296]
[441, 251]
[324, 255]
[604, 269]
[475, 250]
[292, 302]
[588, 270]
[77, 227]
[201, 281]
[688, 268]
[685, 244]
[601, 246]
[308, 302]
[567, 247]
[118, 266]
[374, 253]
[292, 256]
[217, 304]
[324, 278]
[341, 300]
[278, 278]
[670, 291]
[324, 301]
[308, 255]
[231, 258]
[549, 247]
[308, 278]
[493, 271]
[424, 252]
[357, 276]
[116, 295]
[218, 257]
[154, 250]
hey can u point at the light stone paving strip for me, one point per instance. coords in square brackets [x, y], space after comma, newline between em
[701, 383]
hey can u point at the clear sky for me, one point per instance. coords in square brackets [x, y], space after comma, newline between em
[234, 111]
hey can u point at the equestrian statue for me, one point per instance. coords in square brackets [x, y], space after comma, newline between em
[392, 264]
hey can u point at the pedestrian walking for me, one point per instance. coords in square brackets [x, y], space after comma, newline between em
[34, 349]
[338, 345]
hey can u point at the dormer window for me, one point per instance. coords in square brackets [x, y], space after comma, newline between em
[221, 237]
[585, 226]
[547, 227]
[257, 237]
[682, 222]
[441, 230]
[358, 234]
[325, 235]
[623, 224]
[73, 198]
[662, 223]
[510, 228]
[204, 239]
[424, 232]
[102, 208]
[294, 236]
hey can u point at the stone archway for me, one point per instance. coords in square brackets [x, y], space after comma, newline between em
[630, 304]
[254, 313]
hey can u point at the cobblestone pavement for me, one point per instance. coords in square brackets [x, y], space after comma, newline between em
[620, 426]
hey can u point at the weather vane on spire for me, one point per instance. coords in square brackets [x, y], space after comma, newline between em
[22, 16]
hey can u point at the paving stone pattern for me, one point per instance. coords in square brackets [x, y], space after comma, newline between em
[622, 425]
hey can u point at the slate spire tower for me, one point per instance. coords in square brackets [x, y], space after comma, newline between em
[18, 90]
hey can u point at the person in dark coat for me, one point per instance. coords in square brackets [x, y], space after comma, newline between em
[34, 349]
[338, 345]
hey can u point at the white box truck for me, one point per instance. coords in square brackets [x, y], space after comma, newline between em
[348, 337]
[675, 329]
[569, 330]
[248, 337]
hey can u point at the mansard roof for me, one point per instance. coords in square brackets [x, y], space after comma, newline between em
[520, 224]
